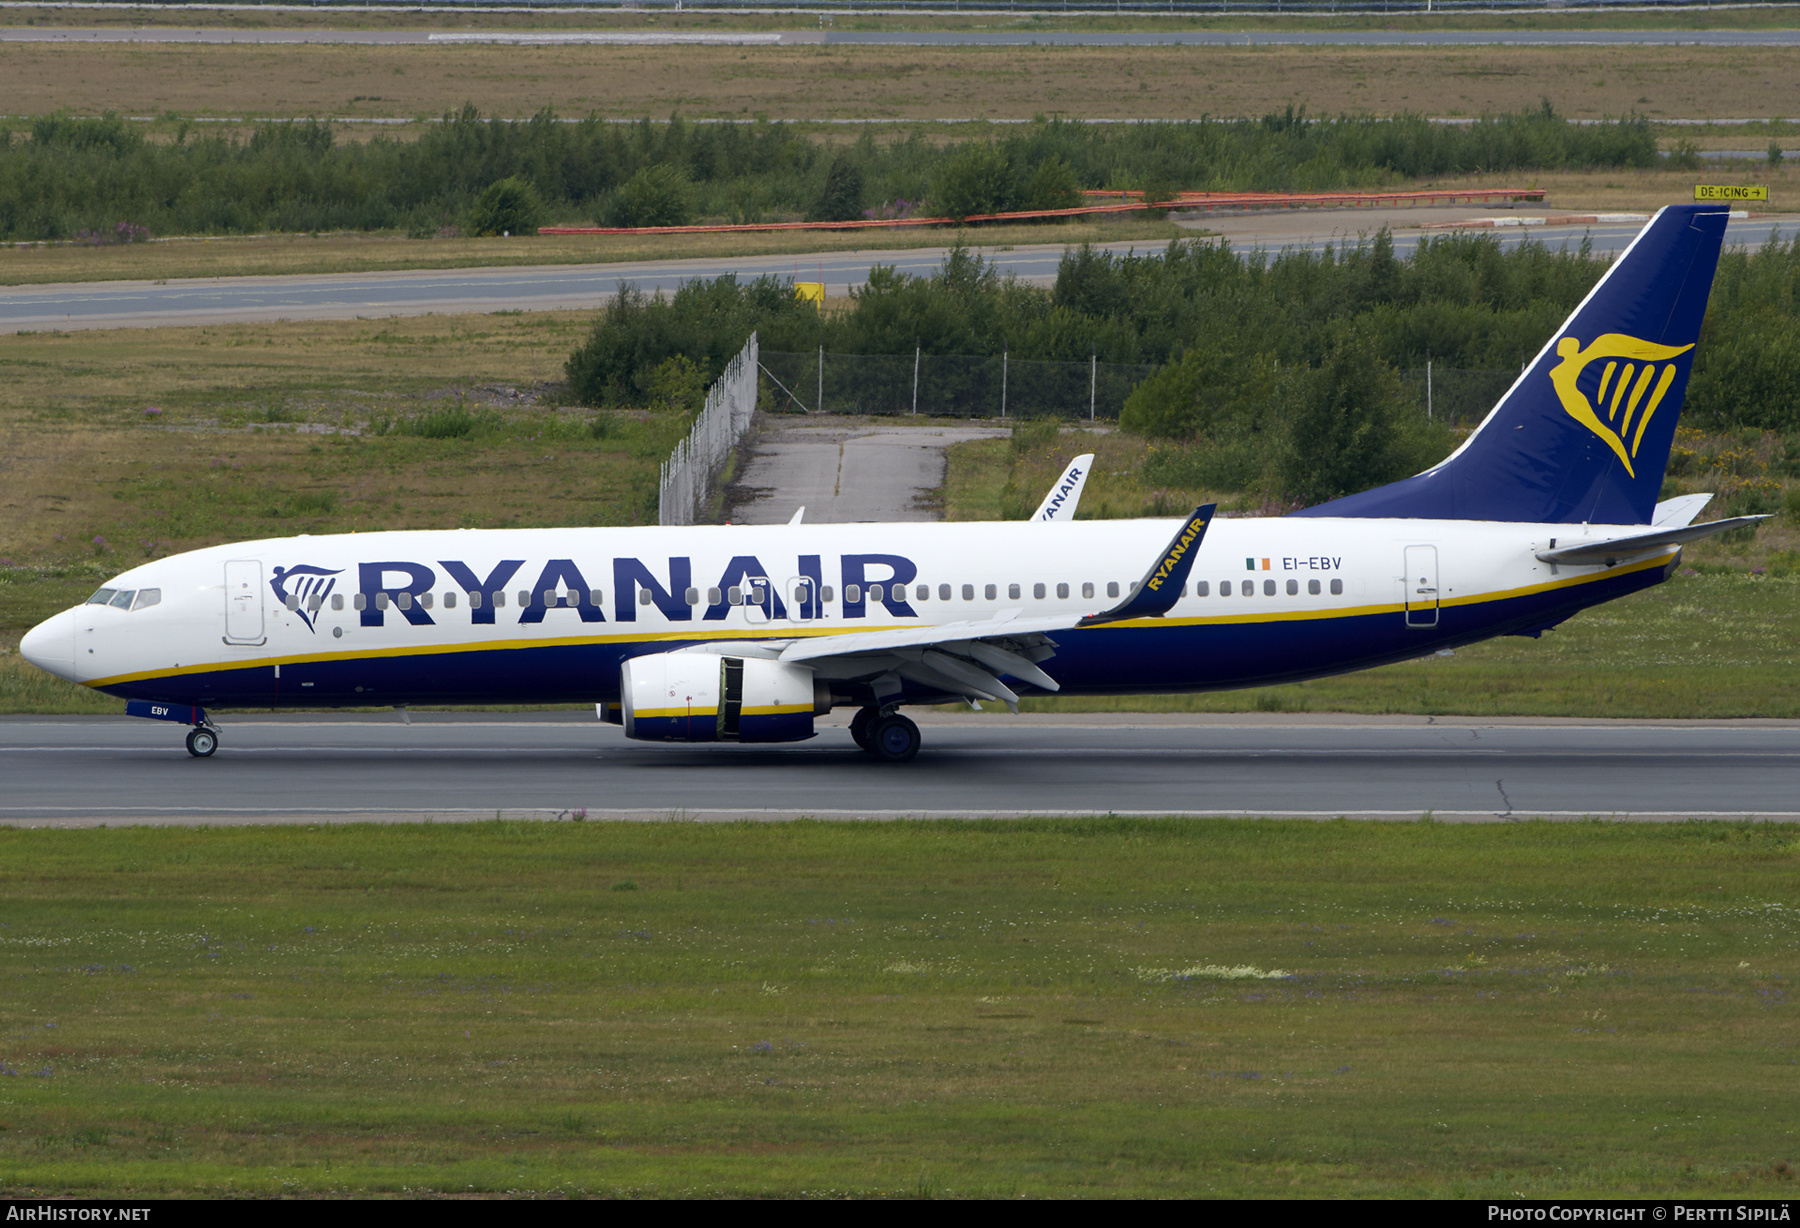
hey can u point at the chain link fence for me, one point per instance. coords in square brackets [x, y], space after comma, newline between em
[1458, 396]
[946, 385]
[697, 461]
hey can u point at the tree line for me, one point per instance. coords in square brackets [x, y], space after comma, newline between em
[1279, 373]
[66, 175]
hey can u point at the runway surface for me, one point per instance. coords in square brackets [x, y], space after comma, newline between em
[938, 38]
[342, 296]
[447, 768]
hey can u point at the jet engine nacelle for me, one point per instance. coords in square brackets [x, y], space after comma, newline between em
[707, 697]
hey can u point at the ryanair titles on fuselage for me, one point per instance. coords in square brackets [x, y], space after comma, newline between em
[396, 587]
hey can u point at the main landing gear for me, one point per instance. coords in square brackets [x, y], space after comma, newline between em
[202, 742]
[890, 737]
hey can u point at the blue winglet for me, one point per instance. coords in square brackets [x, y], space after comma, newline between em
[1161, 586]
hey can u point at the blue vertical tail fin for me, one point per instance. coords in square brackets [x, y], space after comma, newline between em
[1583, 435]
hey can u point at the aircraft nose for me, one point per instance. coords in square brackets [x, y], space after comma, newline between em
[51, 645]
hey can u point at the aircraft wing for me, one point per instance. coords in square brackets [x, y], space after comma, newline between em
[1611, 551]
[969, 658]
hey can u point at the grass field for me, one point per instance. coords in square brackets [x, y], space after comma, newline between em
[360, 18]
[893, 83]
[1054, 1008]
[271, 430]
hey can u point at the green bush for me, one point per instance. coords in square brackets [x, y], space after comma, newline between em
[1346, 426]
[974, 179]
[509, 206]
[705, 321]
[658, 195]
[841, 200]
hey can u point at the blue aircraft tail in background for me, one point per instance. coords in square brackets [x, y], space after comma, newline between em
[1583, 435]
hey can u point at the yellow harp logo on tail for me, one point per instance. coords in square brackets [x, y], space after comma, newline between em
[1632, 384]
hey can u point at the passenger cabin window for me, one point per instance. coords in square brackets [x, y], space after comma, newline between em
[735, 595]
[989, 590]
[102, 597]
[1012, 592]
[875, 592]
[450, 600]
[524, 598]
[853, 593]
[153, 596]
[291, 601]
[693, 596]
[1200, 588]
[968, 592]
[1268, 588]
[405, 600]
[944, 592]
[1087, 589]
[314, 603]
[1293, 587]
[337, 601]
[425, 600]
[474, 599]
[360, 601]
[1337, 588]
[1062, 592]
[825, 593]
[1225, 587]
[597, 598]
[643, 596]
[922, 592]
[1037, 590]
[712, 597]
[1312, 587]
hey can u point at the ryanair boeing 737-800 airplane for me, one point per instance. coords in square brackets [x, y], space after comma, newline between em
[746, 634]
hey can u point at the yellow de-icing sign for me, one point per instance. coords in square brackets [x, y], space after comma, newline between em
[810, 291]
[1756, 191]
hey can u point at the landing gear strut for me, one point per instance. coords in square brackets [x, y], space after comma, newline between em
[202, 742]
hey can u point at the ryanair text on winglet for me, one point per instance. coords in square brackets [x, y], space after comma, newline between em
[1194, 529]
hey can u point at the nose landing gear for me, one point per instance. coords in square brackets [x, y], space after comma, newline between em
[202, 739]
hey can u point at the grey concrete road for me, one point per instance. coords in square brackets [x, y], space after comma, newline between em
[941, 38]
[844, 471]
[340, 296]
[88, 770]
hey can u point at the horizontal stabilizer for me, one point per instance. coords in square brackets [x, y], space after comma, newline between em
[1679, 511]
[1610, 552]
[1159, 590]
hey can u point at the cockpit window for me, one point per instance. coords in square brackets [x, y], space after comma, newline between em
[103, 597]
[147, 597]
[122, 599]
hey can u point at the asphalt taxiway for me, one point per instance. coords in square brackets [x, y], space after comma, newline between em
[451, 767]
[345, 296]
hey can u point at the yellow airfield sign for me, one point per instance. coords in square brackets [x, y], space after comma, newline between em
[1705, 191]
